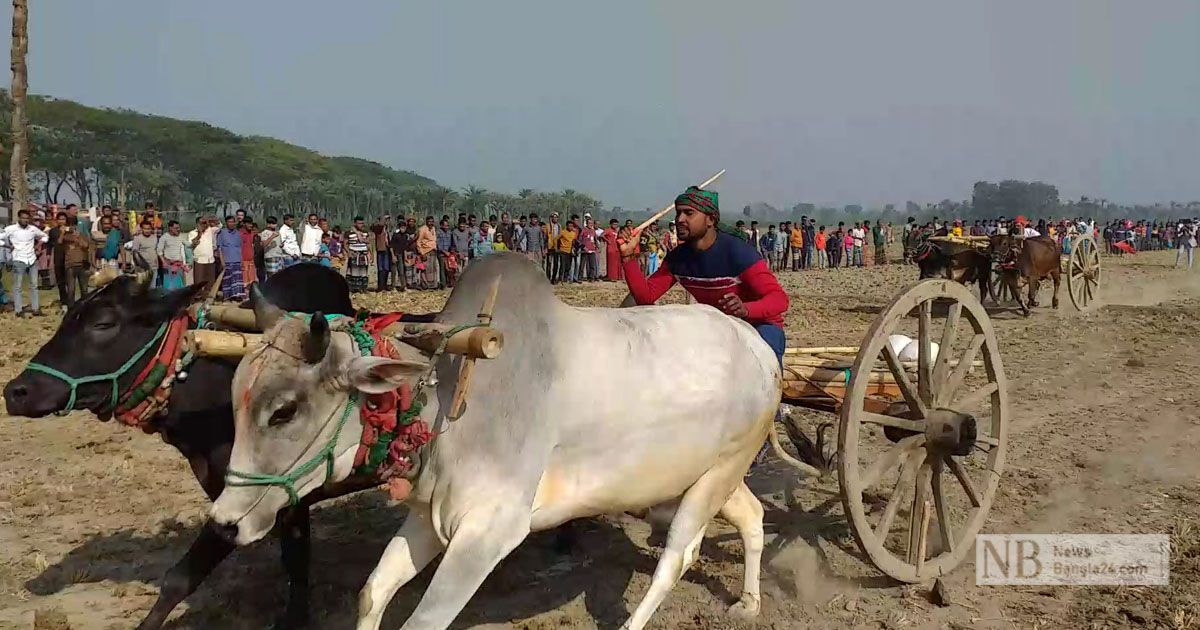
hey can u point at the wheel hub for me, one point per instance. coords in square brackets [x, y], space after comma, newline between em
[950, 432]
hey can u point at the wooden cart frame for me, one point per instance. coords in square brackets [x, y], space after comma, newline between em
[932, 425]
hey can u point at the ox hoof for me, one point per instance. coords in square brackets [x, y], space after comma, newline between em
[745, 609]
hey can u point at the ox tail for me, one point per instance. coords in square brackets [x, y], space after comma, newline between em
[805, 469]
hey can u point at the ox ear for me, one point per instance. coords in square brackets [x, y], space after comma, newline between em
[265, 313]
[376, 375]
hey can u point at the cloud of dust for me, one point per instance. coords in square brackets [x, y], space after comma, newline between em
[802, 568]
[1151, 293]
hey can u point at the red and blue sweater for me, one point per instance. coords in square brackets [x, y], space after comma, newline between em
[731, 265]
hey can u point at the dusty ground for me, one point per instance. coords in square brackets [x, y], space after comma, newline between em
[1104, 440]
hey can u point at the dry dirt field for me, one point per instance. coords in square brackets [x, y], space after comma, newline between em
[1104, 439]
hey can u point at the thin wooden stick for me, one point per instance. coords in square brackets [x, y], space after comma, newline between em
[821, 350]
[638, 230]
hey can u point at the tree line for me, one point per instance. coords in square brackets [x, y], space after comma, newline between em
[96, 156]
[1009, 198]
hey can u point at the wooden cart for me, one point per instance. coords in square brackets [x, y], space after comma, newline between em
[918, 443]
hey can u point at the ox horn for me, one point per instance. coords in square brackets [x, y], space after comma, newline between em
[316, 342]
[143, 279]
[103, 277]
[215, 287]
[265, 313]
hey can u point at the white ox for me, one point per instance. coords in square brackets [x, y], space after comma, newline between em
[587, 411]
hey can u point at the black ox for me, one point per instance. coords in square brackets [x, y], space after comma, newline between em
[953, 261]
[100, 333]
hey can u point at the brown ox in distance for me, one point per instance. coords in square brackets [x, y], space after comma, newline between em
[1025, 262]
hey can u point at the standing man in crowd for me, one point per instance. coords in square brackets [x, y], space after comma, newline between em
[310, 239]
[880, 237]
[229, 245]
[443, 239]
[766, 245]
[858, 236]
[203, 243]
[808, 260]
[145, 248]
[288, 242]
[272, 244]
[23, 238]
[796, 245]
[77, 261]
[172, 257]
[834, 245]
[587, 240]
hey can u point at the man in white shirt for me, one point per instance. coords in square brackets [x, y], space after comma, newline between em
[288, 242]
[310, 239]
[203, 257]
[859, 235]
[23, 238]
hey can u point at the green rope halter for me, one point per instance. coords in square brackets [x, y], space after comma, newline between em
[115, 376]
[364, 342]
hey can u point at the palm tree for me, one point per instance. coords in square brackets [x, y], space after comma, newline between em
[20, 87]
[474, 199]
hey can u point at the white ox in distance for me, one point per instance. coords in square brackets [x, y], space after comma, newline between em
[587, 411]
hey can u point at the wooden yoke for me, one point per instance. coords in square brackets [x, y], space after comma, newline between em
[227, 314]
[468, 365]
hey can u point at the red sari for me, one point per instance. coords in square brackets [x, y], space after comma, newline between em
[249, 273]
[612, 255]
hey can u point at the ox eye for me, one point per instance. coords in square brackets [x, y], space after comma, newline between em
[283, 414]
[104, 325]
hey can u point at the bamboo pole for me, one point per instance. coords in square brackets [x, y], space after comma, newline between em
[223, 344]
[800, 360]
[823, 375]
[820, 350]
[476, 343]
[229, 315]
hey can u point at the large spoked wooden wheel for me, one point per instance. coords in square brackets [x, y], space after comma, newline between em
[934, 458]
[999, 290]
[1083, 273]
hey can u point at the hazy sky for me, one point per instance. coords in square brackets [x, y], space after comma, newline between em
[631, 100]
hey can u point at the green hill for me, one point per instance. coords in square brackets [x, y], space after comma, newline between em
[118, 156]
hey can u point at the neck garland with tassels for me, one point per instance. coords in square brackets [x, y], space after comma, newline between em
[393, 432]
[150, 391]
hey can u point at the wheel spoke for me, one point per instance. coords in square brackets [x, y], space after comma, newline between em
[892, 458]
[945, 528]
[907, 472]
[906, 386]
[987, 439]
[964, 480]
[923, 351]
[942, 363]
[916, 426]
[959, 374]
[917, 520]
[972, 400]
